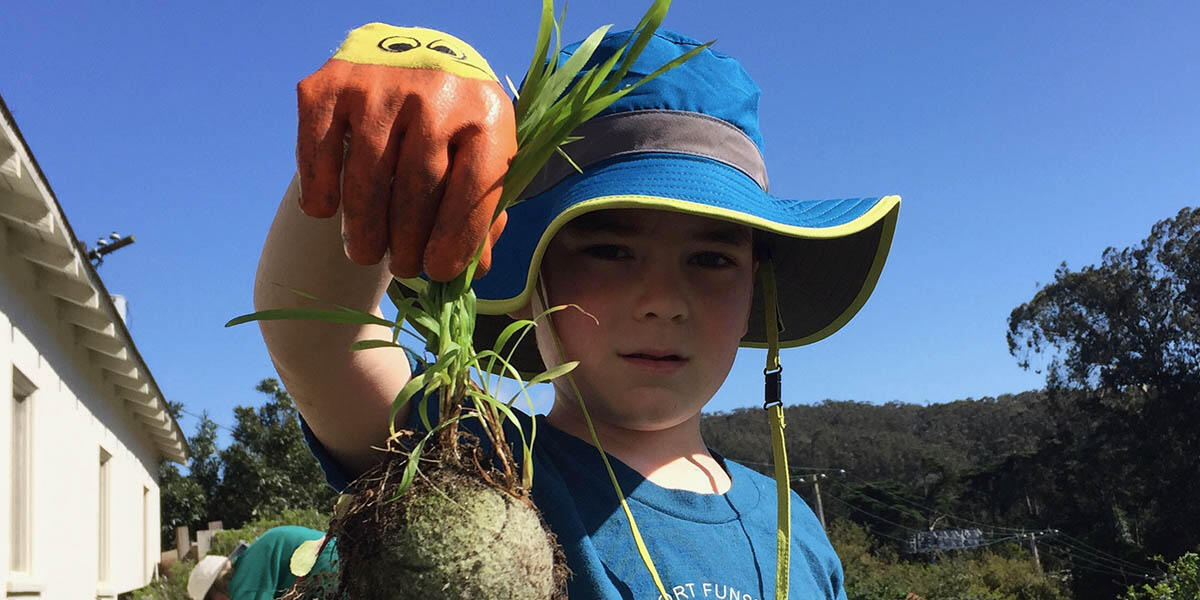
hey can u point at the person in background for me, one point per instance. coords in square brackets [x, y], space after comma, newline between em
[260, 571]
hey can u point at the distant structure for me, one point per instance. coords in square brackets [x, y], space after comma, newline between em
[83, 425]
[943, 539]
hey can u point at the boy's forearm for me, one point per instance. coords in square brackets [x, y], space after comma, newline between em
[344, 395]
[306, 254]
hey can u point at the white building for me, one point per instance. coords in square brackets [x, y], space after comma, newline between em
[82, 423]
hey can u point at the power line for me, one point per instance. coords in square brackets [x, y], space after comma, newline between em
[1096, 566]
[878, 518]
[202, 417]
[1076, 559]
[771, 465]
[1120, 562]
[1099, 557]
[998, 528]
[1083, 547]
[1076, 550]
[1013, 530]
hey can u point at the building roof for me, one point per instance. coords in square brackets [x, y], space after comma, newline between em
[40, 234]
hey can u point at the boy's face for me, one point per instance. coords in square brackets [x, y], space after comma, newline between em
[671, 294]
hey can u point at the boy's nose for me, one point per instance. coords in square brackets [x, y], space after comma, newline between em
[660, 295]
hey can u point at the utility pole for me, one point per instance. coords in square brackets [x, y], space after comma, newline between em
[815, 480]
[1037, 562]
[1033, 536]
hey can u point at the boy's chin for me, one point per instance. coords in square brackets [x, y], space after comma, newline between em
[646, 413]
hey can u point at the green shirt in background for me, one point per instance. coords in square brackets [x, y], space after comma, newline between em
[263, 571]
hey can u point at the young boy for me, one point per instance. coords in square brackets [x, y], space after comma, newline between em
[660, 241]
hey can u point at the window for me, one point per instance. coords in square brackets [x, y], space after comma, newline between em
[146, 560]
[105, 461]
[21, 502]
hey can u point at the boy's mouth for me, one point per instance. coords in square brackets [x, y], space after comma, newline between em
[653, 356]
[655, 361]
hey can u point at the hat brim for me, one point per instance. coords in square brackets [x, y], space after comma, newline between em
[827, 254]
[204, 574]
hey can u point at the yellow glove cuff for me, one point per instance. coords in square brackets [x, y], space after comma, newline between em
[414, 48]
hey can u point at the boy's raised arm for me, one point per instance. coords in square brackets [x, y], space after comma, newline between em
[344, 396]
[404, 138]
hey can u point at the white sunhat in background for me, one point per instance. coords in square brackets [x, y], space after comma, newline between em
[204, 574]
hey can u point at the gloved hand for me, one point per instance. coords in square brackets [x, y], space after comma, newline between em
[430, 135]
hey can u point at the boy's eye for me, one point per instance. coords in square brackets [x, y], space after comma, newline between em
[712, 260]
[607, 252]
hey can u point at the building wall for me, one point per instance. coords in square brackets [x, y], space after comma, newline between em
[74, 416]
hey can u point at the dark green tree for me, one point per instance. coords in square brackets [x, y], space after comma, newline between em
[1130, 323]
[183, 499]
[1120, 345]
[204, 467]
[267, 467]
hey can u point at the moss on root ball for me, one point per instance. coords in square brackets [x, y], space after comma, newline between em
[450, 537]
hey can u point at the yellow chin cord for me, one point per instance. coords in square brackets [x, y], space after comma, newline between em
[773, 404]
[643, 551]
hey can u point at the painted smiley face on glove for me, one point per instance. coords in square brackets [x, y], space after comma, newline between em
[414, 48]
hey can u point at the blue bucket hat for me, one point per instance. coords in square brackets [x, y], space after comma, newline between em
[688, 141]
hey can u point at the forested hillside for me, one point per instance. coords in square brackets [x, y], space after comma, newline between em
[1011, 467]
[922, 447]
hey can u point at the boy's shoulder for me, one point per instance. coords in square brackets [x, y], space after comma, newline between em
[743, 474]
[764, 492]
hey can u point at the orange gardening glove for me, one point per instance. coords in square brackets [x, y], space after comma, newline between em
[430, 135]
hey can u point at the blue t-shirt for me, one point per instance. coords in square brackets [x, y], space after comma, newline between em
[704, 546]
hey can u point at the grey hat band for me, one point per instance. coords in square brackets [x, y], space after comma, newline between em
[653, 131]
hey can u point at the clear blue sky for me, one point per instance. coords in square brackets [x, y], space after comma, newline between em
[1019, 134]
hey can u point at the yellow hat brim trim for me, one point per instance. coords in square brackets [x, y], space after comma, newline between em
[886, 210]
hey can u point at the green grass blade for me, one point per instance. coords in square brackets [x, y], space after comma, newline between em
[414, 458]
[415, 284]
[533, 76]
[369, 344]
[503, 338]
[311, 314]
[606, 78]
[406, 393]
[342, 307]
[401, 302]
[557, 83]
[597, 105]
[553, 373]
[422, 322]
[508, 332]
[645, 29]
[410, 468]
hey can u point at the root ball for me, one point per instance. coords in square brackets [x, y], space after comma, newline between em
[450, 537]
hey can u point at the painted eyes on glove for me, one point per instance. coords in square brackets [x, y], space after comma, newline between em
[398, 43]
[440, 46]
[401, 43]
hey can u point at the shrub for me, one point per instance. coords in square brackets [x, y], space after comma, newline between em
[225, 541]
[171, 586]
[1182, 581]
[875, 571]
